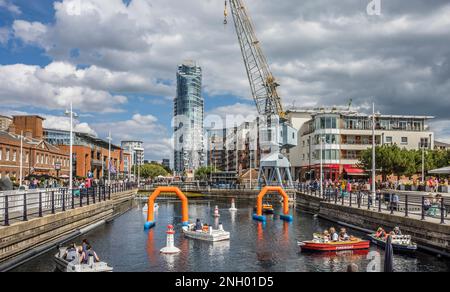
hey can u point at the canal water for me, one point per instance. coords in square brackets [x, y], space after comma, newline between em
[253, 247]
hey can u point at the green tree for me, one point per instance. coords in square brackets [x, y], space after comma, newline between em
[152, 171]
[204, 173]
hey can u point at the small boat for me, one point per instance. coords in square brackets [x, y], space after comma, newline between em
[145, 208]
[268, 209]
[400, 243]
[318, 244]
[64, 266]
[212, 235]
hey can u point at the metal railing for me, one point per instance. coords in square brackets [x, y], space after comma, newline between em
[23, 205]
[406, 205]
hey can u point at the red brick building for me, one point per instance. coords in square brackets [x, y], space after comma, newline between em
[39, 157]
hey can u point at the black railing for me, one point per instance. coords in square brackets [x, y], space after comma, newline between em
[23, 205]
[393, 203]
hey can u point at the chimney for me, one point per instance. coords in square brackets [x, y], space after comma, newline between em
[28, 134]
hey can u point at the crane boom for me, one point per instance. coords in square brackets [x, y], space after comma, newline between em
[262, 81]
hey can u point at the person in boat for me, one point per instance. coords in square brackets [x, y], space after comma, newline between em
[343, 235]
[381, 234]
[333, 234]
[205, 228]
[84, 245]
[71, 254]
[198, 225]
[397, 231]
[89, 253]
[326, 236]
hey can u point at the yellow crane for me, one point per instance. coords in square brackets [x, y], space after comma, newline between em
[280, 134]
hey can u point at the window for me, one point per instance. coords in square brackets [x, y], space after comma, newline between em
[14, 155]
[389, 140]
[27, 157]
[7, 155]
[404, 140]
[1, 155]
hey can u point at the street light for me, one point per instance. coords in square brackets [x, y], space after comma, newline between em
[109, 138]
[321, 164]
[21, 160]
[72, 116]
[374, 166]
[422, 147]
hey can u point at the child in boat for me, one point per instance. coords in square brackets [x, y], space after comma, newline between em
[205, 228]
[326, 236]
[198, 225]
[397, 231]
[343, 236]
[333, 234]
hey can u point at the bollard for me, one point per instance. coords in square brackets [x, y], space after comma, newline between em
[442, 211]
[73, 199]
[423, 208]
[94, 195]
[6, 210]
[351, 205]
[25, 215]
[40, 204]
[87, 197]
[406, 206]
[53, 202]
[63, 201]
[81, 199]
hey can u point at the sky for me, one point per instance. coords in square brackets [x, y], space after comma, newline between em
[116, 60]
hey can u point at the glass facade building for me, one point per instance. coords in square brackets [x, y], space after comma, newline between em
[189, 152]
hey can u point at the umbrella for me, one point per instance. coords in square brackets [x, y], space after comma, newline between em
[445, 170]
[389, 256]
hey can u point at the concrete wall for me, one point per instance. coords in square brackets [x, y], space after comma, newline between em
[23, 237]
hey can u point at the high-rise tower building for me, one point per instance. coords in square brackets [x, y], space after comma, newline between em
[189, 114]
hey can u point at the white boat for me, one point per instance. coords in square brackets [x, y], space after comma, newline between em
[70, 267]
[212, 235]
[145, 208]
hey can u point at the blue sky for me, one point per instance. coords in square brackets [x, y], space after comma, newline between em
[117, 60]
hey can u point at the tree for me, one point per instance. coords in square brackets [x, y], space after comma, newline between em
[152, 171]
[204, 173]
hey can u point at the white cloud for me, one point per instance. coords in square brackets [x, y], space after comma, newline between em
[63, 123]
[54, 86]
[9, 6]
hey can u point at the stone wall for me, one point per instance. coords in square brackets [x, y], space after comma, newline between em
[23, 237]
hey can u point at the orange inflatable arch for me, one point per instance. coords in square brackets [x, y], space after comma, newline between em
[166, 190]
[259, 205]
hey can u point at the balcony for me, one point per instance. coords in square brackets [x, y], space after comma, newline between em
[97, 163]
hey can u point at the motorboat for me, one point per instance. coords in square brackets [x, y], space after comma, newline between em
[210, 234]
[400, 243]
[75, 267]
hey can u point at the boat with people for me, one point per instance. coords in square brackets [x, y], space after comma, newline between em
[74, 266]
[268, 209]
[400, 243]
[331, 241]
[320, 245]
[206, 233]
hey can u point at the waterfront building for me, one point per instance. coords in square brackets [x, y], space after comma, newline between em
[136, 149]
[346, 134]
[39, 157]
[5, 122]
[90, 154]
[441, 146]
[189, 152]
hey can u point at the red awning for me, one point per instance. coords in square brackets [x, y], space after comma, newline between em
[354, 171]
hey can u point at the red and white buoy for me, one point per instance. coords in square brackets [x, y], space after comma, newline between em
[170, 248]
[233, 206]
[216, 212]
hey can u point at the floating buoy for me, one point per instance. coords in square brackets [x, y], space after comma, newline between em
[170, 248]
[216, 212]
[233, 206]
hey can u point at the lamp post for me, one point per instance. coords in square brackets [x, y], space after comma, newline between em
[321, 165]
[21, 160]
[109, 138]
[72, 117]
[374, 166]
[422, 147]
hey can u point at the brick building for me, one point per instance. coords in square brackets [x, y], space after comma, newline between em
[90, 153]
[39, 157]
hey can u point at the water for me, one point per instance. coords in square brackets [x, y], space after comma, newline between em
[252, 248]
